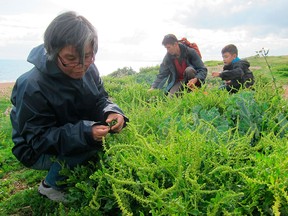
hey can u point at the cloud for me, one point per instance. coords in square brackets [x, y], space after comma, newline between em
[132, 30]
[248, 24]
[230, 14]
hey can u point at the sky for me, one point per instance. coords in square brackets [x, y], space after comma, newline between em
[132, 30]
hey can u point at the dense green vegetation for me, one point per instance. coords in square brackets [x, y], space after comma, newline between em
[204, 153]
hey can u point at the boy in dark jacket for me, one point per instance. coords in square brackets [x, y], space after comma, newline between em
[236, 73]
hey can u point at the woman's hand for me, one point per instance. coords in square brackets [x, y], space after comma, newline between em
[99, 131]
[115, 122]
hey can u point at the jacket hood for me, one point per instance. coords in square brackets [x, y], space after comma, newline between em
[244, 62]
[38, 57]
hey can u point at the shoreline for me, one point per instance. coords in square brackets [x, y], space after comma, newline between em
[6, 85]
[6, 88]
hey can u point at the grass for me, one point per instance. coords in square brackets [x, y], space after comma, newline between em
[207, 152]
[278, 65]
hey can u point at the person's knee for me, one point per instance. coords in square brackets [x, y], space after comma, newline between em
[190, 72]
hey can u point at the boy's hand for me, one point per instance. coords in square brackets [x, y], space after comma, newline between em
[216, 74]
[227, 82]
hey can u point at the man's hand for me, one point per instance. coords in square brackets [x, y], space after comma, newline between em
[192, 82]
[116, 122]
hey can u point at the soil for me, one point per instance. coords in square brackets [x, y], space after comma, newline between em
[6, 88]
[286, 92]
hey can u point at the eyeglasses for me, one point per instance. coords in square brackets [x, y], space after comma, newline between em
[87, 61]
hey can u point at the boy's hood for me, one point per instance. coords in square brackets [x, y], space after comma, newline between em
[245, 63]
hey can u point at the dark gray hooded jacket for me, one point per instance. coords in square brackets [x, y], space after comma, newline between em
[53, 113]
[239, 75]
[168, 73]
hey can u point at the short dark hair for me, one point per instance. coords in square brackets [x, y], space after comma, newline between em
[230, 48]
[169, 39]
[66, 29]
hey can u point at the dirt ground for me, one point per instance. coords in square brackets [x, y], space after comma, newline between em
[6, 88]
[286, 91]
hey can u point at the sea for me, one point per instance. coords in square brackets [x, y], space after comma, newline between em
[11, 69]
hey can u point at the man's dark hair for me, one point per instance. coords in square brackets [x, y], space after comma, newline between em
[70, 29]
[169, 39]
[231, 48]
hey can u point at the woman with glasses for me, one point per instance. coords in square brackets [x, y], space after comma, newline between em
[61, 110]
[181, 66]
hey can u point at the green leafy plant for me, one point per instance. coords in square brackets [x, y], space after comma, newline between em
[264, 53]
[204, 153]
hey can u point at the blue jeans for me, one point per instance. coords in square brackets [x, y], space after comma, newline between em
[54, 165]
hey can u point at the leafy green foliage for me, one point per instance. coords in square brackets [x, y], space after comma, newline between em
[120, 72]
[213, 63]
[282, 71]
[278, 65]
[204, 153]
[198, 154]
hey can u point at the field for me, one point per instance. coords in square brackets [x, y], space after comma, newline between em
[204, 153]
